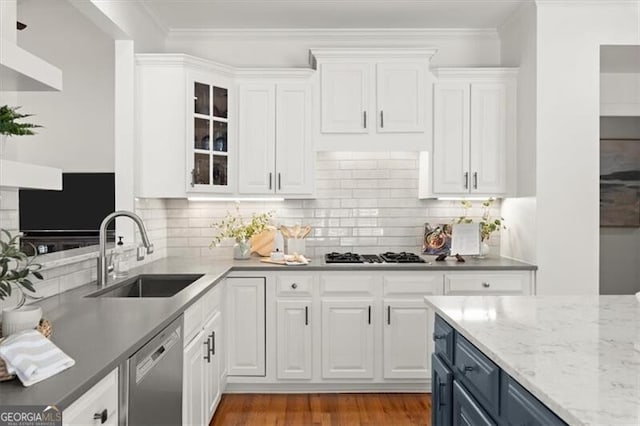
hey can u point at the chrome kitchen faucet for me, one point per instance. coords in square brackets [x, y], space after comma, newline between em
[103, 268]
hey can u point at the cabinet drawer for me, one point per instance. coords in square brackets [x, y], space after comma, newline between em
[344, 284]
[467, 411]
[519, 407]
[211, 303]
[193, 320]
[294, 285]
[411, 285]
[479, 373]
[101, 399]
[443, 337]
[503, 283]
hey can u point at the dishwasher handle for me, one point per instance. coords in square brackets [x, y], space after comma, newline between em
[146, 364]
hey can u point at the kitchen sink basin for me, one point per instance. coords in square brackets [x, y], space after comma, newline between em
[149, 285]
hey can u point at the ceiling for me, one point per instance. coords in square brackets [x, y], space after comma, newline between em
[314, 14]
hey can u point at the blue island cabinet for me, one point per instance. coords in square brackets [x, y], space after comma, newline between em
[470, 389]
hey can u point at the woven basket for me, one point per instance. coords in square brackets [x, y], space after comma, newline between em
[45, 328]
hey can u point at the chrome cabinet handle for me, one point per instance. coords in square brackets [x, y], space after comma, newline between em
[475, 180]
[102, 416]
[294, 286]
[270, 180]
[466, 180]
[364, 119]
[381, 119]
[193, 177]
[467, 369]
[486, 285]
[369, 320]
[306, 315]
[212, 336]
[388, 314]
[279, 181]
[441, 387]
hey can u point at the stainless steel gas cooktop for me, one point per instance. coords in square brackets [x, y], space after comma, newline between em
[388, 257]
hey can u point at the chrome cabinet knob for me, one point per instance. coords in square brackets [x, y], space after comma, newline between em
[486, 285]
[294, 286]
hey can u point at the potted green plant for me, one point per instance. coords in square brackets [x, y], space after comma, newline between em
[233, 226]
[17, 270]
[488, 225]
[9, 126]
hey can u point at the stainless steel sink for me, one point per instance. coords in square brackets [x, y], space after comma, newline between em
[149, 285]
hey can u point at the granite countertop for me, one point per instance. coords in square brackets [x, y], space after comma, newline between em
[574, 353]
[100, 333]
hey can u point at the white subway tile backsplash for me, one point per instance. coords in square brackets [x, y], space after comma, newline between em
[365, 202]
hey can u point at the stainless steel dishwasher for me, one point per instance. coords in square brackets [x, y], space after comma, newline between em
[155, 380]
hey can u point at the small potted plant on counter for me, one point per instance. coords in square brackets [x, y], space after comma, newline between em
[16, 273]
[488, 225]
[234, 227]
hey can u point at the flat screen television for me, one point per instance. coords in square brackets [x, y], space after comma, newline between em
[85, 199]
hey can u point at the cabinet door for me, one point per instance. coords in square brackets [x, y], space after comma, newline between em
[294, 147]
[293, 339]
[212, 366]
[257, 133]
[488, 137]
[246, 326]
[209, 146]
[100, 398]
[193, 384]
[466, 411]
[347, 339]
[441, 393]
[451, 138]
[344, 98]
[401, 97]
[407, 339]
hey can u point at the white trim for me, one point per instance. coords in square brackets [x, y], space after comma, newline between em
[180, 59]
[372, 52]
[359, 34]
[573, 3]
[475, 72]
[288, 73]
[346, 387]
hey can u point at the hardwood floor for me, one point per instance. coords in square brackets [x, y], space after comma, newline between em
[323, 409]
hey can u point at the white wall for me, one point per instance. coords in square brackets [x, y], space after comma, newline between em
[291, 48]
[567, 185]
[79, 121]
[518, 36]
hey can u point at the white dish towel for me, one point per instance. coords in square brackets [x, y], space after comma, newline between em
[33, 357]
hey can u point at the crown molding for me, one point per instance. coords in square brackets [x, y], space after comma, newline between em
[180, 59]
[475, 72]
[271, 73]
[418, 35]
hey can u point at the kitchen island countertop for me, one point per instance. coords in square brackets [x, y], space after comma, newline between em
[574, 353]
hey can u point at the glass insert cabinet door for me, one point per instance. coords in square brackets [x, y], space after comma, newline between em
[210, 148]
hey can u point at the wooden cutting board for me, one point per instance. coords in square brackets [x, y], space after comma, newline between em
[280, 262]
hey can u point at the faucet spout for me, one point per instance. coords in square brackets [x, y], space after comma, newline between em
[102, 256]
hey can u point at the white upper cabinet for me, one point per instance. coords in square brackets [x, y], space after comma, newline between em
[185, 122]
[401, 97]
[373, 99]
[474, 133]
[276, 153]
[345, 103]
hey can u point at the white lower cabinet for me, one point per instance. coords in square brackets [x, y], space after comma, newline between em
[246, 328]
[407, 347]
[293, 339]
[99, 405]
[501, 283]
[347, 339]
[203, 377]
